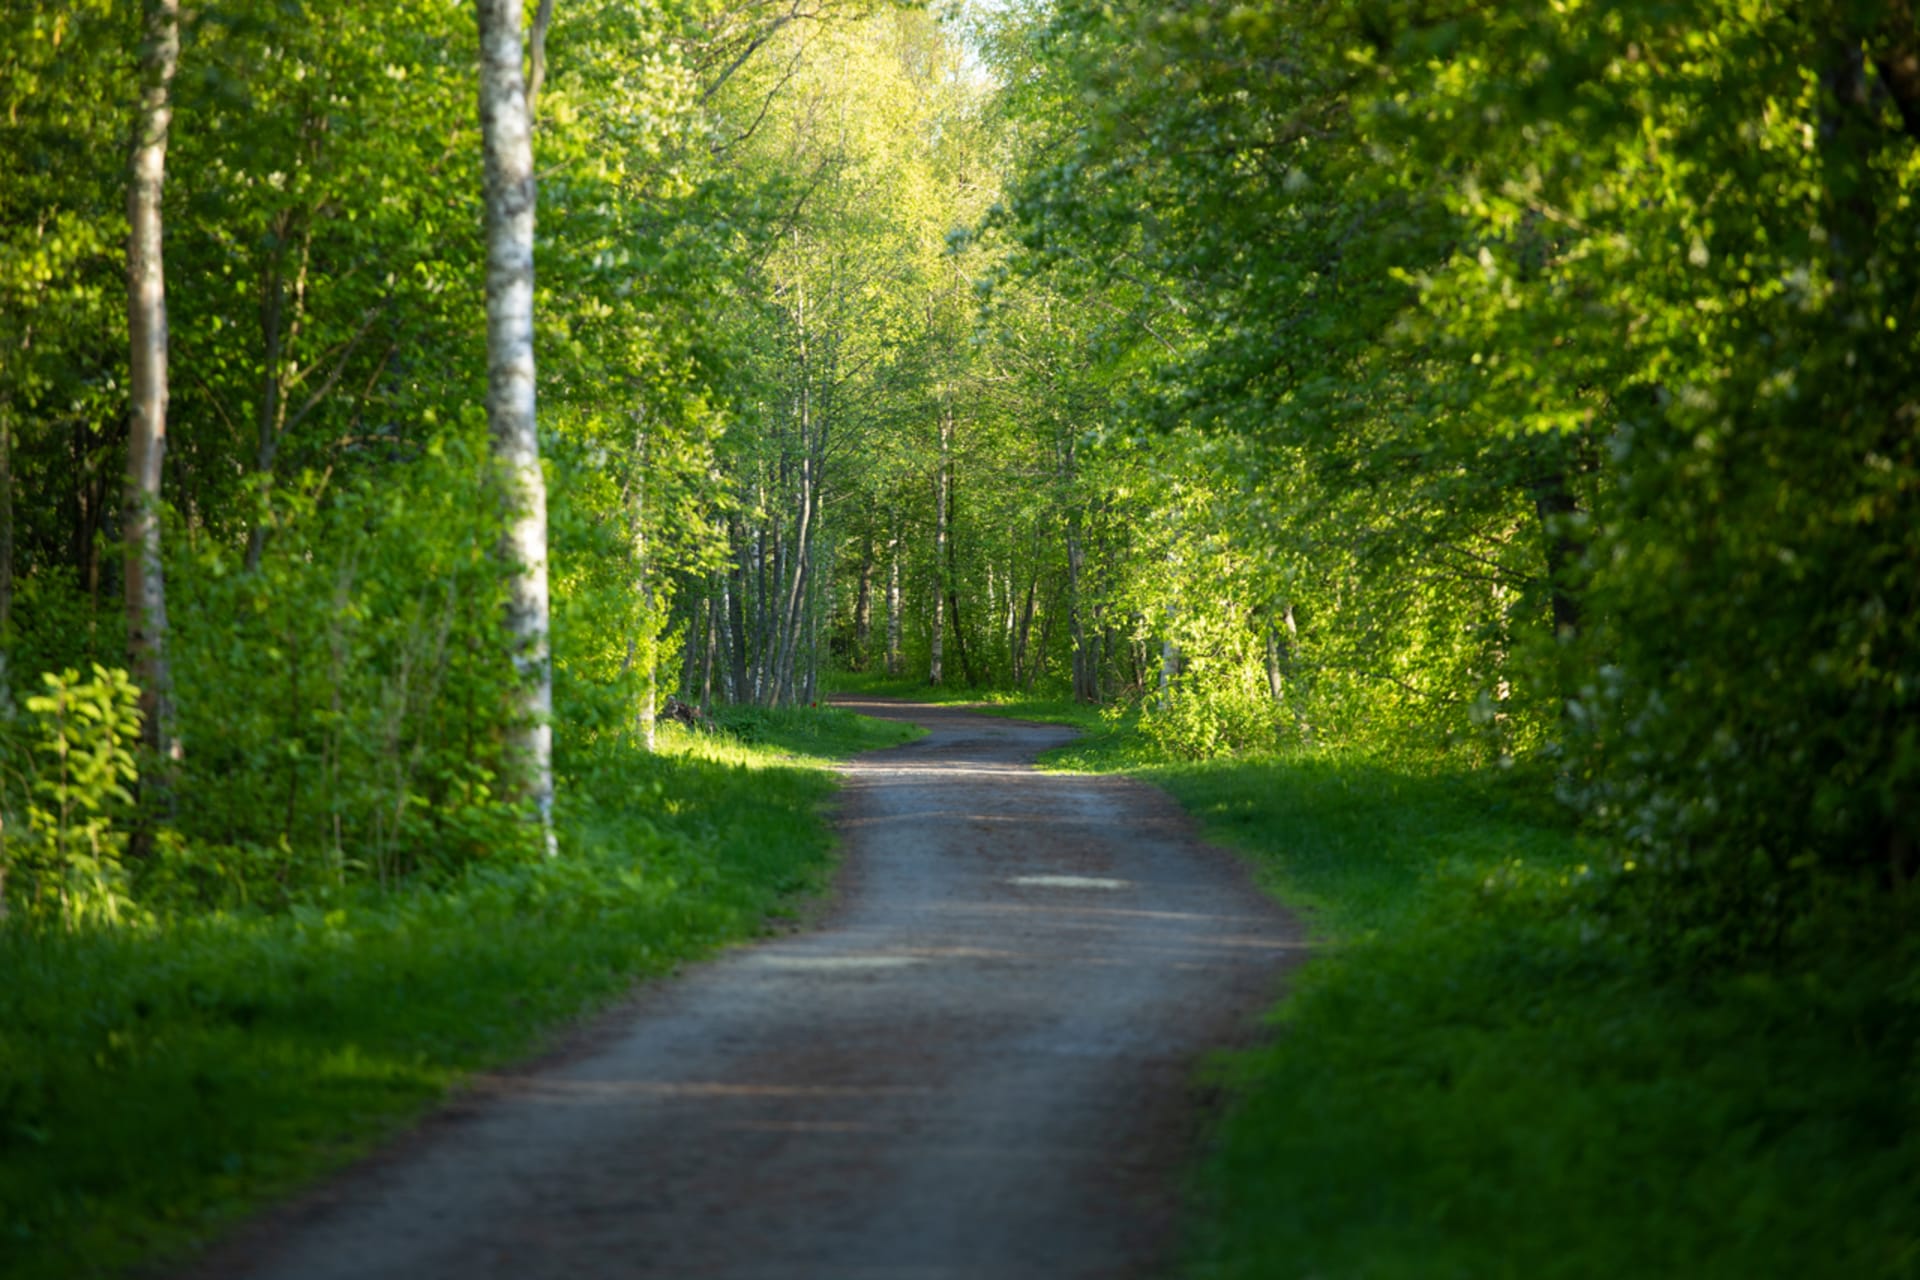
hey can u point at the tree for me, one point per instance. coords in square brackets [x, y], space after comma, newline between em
[506, 128]
[147, 331]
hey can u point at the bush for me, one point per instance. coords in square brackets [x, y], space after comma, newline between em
[69, 773]
[1214, 709]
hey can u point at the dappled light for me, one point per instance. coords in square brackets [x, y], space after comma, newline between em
[972, 506]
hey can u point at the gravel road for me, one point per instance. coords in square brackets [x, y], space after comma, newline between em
[977, 1066]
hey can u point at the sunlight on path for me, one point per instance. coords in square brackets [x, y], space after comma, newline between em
[967, 1071]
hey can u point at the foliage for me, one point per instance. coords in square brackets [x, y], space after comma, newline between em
[71, 764]
[340, 675]
[1211, 717]
[162, 1078]
[1504, 334]
[1485, 1077]
[348, 692]
[1458, 382]
[1315, 372]
[1747, 649]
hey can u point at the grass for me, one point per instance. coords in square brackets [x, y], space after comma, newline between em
[1479, 1076]
[1053, 708]
[157, 1083]
[1484, 1075]
[1488, 1078]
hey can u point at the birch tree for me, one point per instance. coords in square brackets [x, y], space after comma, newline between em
[506, 128]
[146, 595]
[942, 478]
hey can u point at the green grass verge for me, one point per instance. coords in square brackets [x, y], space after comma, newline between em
[1482, 1074]
[1048, 707]
[1486, 1077]
[157, 1083]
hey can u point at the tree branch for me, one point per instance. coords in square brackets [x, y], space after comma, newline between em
[537, 57]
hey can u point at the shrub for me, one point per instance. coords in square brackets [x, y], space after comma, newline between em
[70, 776]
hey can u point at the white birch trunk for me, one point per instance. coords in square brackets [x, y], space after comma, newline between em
[716, 622]
[762, 610]
[893, 605]
[940, 483]
[1502, 686]
[647, 625]
[740, 582]
[146, 596]
[507, 139]
[863, 605]
[1170, 614]
[790, 618]
[1084, 689]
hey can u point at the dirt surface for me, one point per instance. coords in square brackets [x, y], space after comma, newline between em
[978, 1065]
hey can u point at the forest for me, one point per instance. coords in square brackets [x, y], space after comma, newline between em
[450, 454]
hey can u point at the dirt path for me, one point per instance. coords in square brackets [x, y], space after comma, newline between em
[978, 1066]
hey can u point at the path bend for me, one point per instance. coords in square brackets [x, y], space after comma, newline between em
[977, 1067]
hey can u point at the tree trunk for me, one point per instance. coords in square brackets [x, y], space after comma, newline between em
[1554, 505]
[1169, 663]
[863, 606]
[537, 56]
[953, 599]
[6, 569]
[1502, 686]
[816, 612]
[649, 708]
[893, 604]
[278, 335]
[763, 606]
[698, 610]
[941, 577]
[790, 620]
[1037, 664]
[1012, 619]
[1019, 643]
[795, 616]
[736, 613]
[272, 306]
[1170, 615]
[646, 627]
[716, 617]
[6, 521]
[1280, 654]
[507, 141]
[146, 597]
[960, 640]
[1085, 688]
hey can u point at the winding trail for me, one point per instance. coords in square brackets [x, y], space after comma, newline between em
[977, 1067]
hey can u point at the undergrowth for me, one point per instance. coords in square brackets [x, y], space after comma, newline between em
[158, 1080]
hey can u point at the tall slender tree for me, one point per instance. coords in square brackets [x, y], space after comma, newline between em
[147, 333]
[506, 128]
[942, 479]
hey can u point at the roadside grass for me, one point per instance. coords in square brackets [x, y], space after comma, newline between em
[158, 1082]
[1483, 1074]
[1053, 708]
[1486, 1077]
